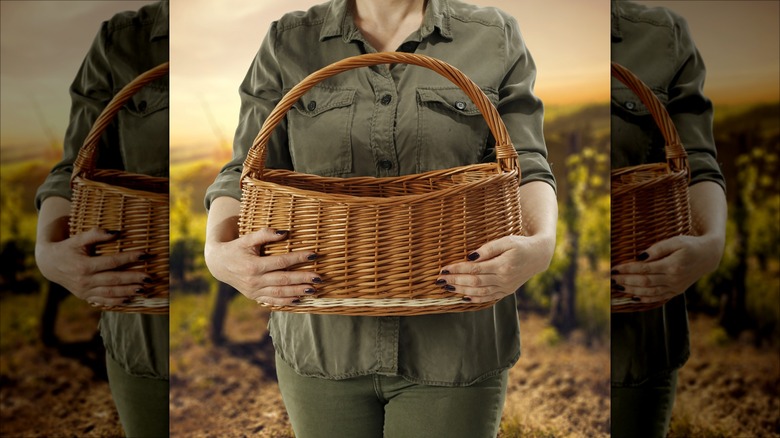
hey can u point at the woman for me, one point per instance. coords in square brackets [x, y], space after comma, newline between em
[649, 347]
[436, 375]
[127, 45]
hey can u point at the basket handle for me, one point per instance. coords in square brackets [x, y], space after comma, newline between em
[506, 156]
[676, 157]
[86, 160]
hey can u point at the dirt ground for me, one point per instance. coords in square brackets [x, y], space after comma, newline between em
[558, 388]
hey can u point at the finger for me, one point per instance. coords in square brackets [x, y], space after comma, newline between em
[285, 261]
[652, 267]
[648, 292]
[284, 293]
[640, 280]
[93, 236]
[472, 291]
[492, 249]
[485, 298]
[110, 262]
[290, 278]
[111, 292]
[484, 280]
[274, 301]
[263, 236]
[649, 299]
[107, 303]
[118, 279]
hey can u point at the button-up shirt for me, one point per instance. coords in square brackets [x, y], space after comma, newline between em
[389, 121]
[656, 45]
[137, 141]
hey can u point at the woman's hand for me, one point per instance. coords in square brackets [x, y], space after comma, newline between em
[500, 267]
[671, 266]
[69, 262]
[237, 261]
[667, 268]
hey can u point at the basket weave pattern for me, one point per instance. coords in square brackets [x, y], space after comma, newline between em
[650, 201]
[136, 205]
[381, 242]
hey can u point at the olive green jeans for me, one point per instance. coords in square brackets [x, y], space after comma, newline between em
[644, 411]
[389, 406]
[142, 403]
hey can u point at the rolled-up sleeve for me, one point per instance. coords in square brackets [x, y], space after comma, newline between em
[90, 92]
[521, 110]
[260, 91]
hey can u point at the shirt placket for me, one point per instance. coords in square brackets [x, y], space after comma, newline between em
[383, 122]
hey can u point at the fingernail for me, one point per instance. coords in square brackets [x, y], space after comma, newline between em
[466, 299]
[113, 232]
[636, 299]
[281, 232]
[473, 256]
[148, 280]
[614, 282]
[127, 301]
[94, 304]
[312, 257]
[140, 291]
[614, 272]
[316, 280]
[449, 287]
[444, 272]
[441, 281]
[296, 301]
[620, 287]
[310, 290]
[643, 256]
[145, 256]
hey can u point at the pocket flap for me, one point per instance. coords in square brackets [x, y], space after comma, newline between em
[628, 101]
[452, 98]
[321, 99]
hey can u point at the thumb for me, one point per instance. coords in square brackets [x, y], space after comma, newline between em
[660, 250]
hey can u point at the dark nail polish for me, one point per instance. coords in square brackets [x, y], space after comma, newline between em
[473, 256]
[614, 272]
[466, 299]
[316, 280]
[642, 257]
[444, 272]
[636, 299]
[312, 257]
[449, 287]
[140, 291]
[127, 301]
[441, 282]
[113, 232]
[281, 232]
[296, 301]
[614, 282]
[148, 280]
[620, 287]
[310, 290]
[145, 256]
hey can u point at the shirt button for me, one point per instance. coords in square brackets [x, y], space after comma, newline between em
[386, 164]
[312, 105]
[142, 106]
[630, 105]
[460, 105]
[386, 99]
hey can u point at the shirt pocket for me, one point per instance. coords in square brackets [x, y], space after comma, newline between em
[318, 129]
[451, 131]
[143, 131]
[636, 139]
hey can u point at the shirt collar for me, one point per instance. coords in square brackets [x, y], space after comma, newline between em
[615, 17]
[339, 22]
[160, 25]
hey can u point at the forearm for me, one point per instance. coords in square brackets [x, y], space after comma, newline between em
[222, 223]
[52, 221]
[540, 216]
[708, 219]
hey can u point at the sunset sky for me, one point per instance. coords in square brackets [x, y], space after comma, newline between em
[213, 43]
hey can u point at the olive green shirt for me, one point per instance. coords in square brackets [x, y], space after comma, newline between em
[137, 141]
[656, 45]
[383, 121]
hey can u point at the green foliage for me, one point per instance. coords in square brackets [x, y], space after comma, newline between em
[549, 336]
[762, 301]
[19, 319]
[188, 320]
[592, 301]
[539, 287]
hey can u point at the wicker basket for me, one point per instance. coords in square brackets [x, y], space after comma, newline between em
[381, 242]
[649, 201]
[134, 204]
